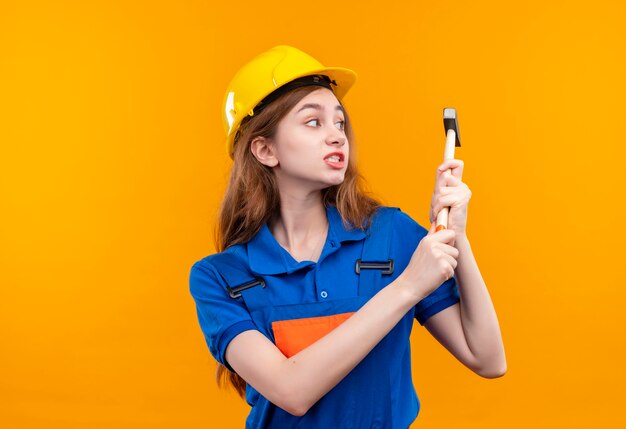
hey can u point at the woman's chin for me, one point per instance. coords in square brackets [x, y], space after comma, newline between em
[335, 178]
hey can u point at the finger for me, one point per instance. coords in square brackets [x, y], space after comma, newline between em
[444, 201]
[456, 165]
[446, 163]
[450, 180]
[447, 267]
[451, 164]
[447, 181]
[447, 190]
[453, 262]
[445, 235]
[450, 250]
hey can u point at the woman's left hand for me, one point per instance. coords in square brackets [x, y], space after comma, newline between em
[451, 192]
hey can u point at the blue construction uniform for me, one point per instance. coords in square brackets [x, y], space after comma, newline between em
[258, 284]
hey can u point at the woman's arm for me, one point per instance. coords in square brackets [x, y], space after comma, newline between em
[295, 384]
[470, 329]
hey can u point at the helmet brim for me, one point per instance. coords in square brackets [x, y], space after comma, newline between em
[344, 77]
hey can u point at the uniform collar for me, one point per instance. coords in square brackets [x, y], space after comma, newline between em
[267, 256]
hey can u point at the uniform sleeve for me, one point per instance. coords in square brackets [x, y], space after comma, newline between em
[443, 297]
[447, 294]
[221, 317]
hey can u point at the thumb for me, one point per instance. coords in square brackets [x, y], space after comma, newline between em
[433, 225]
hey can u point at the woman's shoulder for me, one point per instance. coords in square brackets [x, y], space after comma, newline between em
[403, 223]
[218, 268]
[235, 254]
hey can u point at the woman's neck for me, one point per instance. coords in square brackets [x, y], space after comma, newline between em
[300, 225]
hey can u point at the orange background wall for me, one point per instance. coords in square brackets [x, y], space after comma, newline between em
[112, 166]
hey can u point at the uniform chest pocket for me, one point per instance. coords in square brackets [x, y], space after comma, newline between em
[292, 336]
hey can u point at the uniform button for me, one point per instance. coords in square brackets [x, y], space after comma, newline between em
[324, 294]
[332, 243]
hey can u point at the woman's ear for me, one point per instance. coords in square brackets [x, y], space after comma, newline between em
[263, 150]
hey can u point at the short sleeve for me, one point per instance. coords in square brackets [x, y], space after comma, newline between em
[447, 294]
[443, 297]
[221, 317]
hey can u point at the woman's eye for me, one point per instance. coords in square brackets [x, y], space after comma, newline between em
[341, 127]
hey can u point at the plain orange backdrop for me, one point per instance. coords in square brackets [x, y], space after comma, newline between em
[112, 167]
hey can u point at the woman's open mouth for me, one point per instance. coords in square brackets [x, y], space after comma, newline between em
[335, 160]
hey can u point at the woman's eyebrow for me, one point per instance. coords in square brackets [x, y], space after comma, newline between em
[317, 106]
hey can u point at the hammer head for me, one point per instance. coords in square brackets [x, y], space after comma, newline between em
[450, 122]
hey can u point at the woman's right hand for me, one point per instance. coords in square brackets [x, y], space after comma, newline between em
[432, 263]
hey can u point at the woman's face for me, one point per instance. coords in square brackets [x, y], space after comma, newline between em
[306, 137]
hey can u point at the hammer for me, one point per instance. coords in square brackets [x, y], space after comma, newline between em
[451, 125]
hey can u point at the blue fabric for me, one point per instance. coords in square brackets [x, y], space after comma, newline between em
[332, 280]
[221, 317]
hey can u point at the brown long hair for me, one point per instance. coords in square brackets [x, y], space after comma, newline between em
[252, 199]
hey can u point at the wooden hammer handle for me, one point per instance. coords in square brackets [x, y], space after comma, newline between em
[442, 216]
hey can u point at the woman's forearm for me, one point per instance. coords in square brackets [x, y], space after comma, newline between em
[478, 316]
[315, 370]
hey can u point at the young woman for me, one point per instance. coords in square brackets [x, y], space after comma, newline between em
[309, 303]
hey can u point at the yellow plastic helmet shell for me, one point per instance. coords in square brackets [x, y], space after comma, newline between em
[265, 73]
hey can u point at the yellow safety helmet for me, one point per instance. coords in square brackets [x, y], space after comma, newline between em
[259, 79]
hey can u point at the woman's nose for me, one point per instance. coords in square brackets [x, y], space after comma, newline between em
[336, 137]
